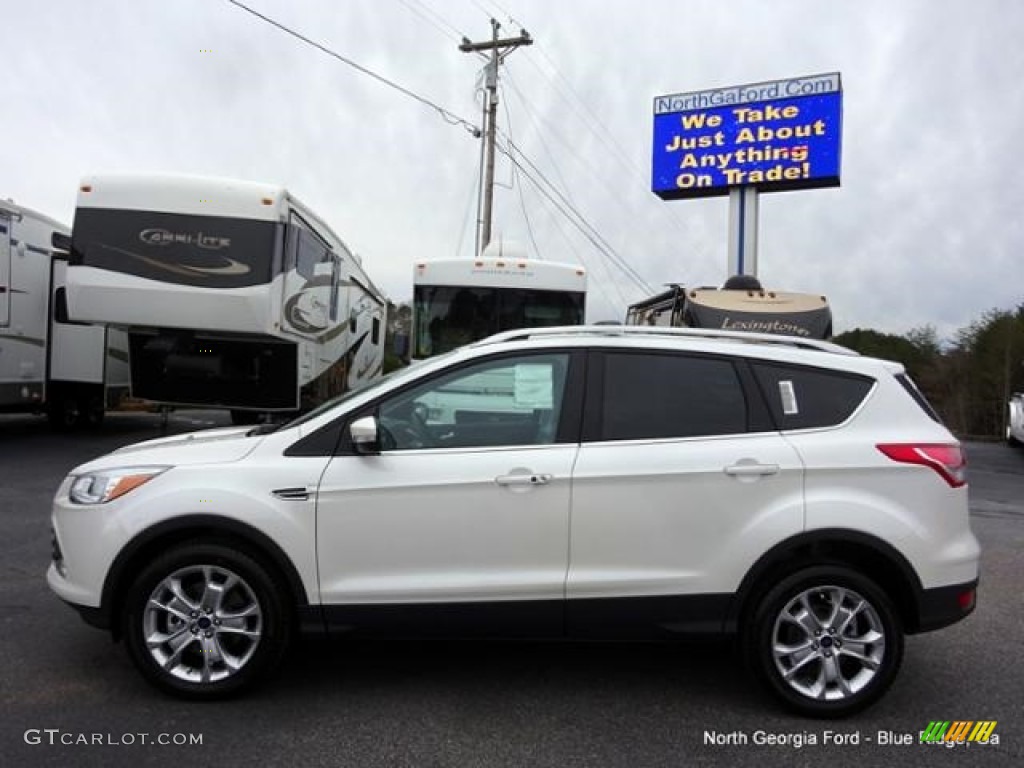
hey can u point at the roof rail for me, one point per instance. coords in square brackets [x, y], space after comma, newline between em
[647, 330]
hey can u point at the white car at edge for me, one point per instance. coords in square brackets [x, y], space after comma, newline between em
[1015, 420]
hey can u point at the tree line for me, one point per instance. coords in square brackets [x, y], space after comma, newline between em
[967, 380]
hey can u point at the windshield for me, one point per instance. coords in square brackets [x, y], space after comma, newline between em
[446, 317]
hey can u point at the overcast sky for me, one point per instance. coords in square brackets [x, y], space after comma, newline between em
[925, 228]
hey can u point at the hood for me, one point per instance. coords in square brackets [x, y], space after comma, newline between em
[209, 446]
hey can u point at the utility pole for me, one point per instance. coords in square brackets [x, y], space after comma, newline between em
[499, 51]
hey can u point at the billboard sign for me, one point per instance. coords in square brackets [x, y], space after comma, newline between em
[784, 134]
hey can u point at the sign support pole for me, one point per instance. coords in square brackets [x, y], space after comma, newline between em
[743, 221]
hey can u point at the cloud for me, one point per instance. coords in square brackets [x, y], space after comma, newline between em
[924, 230]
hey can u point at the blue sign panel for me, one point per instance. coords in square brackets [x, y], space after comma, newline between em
[717, 141]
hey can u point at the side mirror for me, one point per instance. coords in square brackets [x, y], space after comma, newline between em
[364, 436]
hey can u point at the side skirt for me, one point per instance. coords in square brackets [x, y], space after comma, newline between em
[644, 618]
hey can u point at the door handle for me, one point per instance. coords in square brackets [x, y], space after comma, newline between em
[523, 479]
[751, 468]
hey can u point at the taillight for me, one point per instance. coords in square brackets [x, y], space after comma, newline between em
[967, 599]
[946, 459]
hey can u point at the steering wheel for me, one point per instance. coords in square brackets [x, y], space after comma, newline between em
[419, 415]
[411, 434]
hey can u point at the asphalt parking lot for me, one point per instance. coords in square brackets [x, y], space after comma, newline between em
[71, 697]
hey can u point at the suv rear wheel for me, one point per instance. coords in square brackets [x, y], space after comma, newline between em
[205, 621]
[826, 640]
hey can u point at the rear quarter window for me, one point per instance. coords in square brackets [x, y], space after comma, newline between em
[801, 397]
[917, 396]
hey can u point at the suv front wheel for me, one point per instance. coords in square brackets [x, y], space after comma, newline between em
[826, 640]
[205, 620]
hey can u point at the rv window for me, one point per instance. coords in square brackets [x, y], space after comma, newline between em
[334, 291]
[376, 331]
[305, 249]
[311, 251]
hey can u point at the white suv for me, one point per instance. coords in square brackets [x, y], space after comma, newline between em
[609, 482]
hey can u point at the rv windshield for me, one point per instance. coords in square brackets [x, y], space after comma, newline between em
[446, 317]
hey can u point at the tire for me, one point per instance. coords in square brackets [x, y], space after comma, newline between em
[64, 413]
[91, 411]
[826, 641]
[215, 622]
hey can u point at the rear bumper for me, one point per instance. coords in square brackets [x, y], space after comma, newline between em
[942, 606]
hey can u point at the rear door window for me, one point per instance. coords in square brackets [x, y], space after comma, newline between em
[664, 395]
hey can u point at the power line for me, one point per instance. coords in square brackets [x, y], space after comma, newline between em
[435, 19]
[575, 103]
[540, 131]
[580, 257]
[474, 194]
[577, 219]
[582, 228]
[565, 89]
[607, 247]
[447, 115]
[544, 130]
[565, 186]
[519, 185]
[419, 12]
[505, 13]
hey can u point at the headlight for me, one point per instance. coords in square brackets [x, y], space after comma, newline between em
[109, 484]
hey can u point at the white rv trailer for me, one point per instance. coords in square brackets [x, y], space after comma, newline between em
[70, 371]
[233, 294]
[456, 301]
